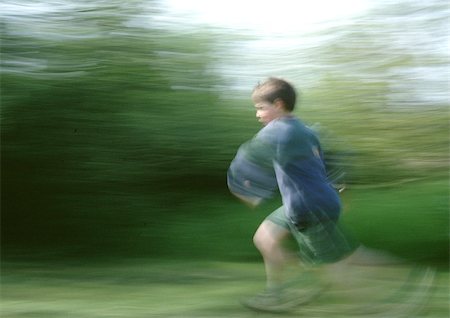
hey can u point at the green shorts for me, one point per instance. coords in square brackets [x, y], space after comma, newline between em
[325, 241]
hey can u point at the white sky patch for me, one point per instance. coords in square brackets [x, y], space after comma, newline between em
[269, 17]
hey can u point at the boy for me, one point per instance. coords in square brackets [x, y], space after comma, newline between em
[286, 155]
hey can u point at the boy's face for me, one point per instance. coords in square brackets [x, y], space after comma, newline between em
[266, 112]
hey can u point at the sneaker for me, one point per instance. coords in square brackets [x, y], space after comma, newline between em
[283, 300]
[268, 301]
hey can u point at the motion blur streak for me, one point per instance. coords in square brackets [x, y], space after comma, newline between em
[119, 120]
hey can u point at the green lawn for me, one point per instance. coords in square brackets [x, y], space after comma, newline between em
[143, 288]
[213, 264]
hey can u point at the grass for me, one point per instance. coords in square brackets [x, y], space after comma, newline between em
[163, 288]
[209, 276]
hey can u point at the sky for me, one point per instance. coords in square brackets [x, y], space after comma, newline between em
[280, 31]
[267, 17]
[275, 27]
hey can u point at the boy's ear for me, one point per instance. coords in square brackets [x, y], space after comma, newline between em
[278, 103]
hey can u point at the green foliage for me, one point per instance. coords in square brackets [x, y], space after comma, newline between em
[112, 124]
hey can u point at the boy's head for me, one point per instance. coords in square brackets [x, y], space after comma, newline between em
[273, 98]
[274, 89]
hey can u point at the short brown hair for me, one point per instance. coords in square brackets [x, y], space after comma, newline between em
[275, 88]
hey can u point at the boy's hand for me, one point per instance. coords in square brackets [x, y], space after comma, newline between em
[249, 201]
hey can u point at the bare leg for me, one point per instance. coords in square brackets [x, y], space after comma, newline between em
[281, 295]
[268, 240]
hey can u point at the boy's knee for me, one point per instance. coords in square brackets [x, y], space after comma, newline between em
[258, 240]
[263, 242]
[267, 238]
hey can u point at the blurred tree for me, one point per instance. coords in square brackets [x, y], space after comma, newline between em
[383, 90]
[113, 119]
[97, 113]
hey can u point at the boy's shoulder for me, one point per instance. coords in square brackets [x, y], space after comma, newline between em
[284, 123]
[285, 131]
[289, 126]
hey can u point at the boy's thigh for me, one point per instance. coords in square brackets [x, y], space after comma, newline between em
[279, 218]
[324, 242]
[274, 229]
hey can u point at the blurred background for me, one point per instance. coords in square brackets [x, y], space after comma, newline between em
[119, 120]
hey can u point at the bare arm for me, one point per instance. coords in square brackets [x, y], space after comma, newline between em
[249, 201]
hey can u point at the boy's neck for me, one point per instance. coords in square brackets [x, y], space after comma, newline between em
[285, 114]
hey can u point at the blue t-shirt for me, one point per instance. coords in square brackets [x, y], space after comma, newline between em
[286, 155]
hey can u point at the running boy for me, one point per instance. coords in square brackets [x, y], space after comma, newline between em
[286, 155]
